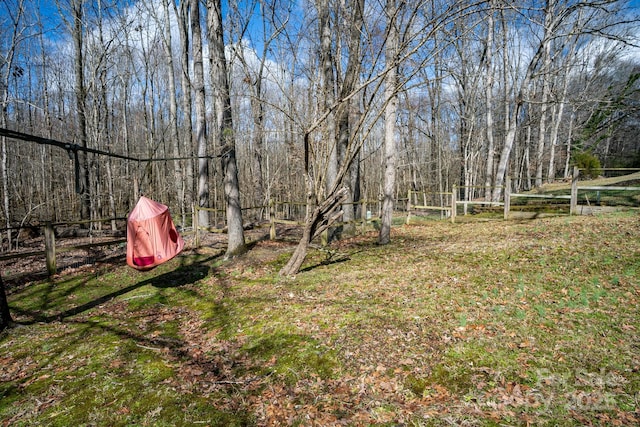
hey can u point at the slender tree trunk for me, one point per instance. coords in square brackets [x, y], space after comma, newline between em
[173, 114]
[544, 107]
[328, 94]
[508, 119]
[5, 315]
[182, 17]
[236, 243]
[81, 158]
[257, 110]
[506, 152]
[553, 140]
[201, 127]
[345, 131]
[5, 182]
[47, 182]
[567, 161]
[520, 97]
[3, 165]
[391, 104]
[104, 119]
[488, 92]
[551, 172]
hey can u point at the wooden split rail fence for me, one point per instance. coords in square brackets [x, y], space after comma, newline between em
[295, 212]
[450, 206]
[51, 249]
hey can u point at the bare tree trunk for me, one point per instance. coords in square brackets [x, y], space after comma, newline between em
[201, 127]
[544, 104]
[317, 221]
[4, 87]
[553, 140]
[82, 166]
[236, 243]
[255, 80]
[506, 151]
[509, 120]
[328, 94]
[488, 91]
[182, 17]
[567, 161]
[391, 105]
[45, 163]
[257, 110]
[103, 117]
[514, 119]
[5, 315]
[173, 114]
[345, 131]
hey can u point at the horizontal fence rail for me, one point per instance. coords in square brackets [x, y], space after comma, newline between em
[295, 213]
[52, 249]
[450, 206]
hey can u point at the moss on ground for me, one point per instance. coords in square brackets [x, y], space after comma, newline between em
[481, 323]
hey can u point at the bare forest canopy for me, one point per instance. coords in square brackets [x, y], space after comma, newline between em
[481, 90]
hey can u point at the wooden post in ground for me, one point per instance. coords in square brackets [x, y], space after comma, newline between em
[454, 201]
[573, 210]
[272, 220]
[507, 197]
[363, 214]
[196, 225]
[50, 248]
[408, 207]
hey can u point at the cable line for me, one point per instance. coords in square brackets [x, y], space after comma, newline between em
[73, 149]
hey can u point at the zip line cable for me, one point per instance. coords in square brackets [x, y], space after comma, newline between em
[73, 149]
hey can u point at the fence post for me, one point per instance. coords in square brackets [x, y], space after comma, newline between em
[507, 197]
[408, 207]
[272, 220]
[454, 201]
[50, 248]
[573, 210]
[196, 224]
[363, 214]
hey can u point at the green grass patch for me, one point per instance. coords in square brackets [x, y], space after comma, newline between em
[480, 323]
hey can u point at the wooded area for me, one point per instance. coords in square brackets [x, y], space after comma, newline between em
[330, 102]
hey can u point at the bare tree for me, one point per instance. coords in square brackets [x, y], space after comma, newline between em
[5, 315]
[328, 79]
[201, 126]
[255, 76]
[6, 68]
[182, 18]
[83, 184]
[174, 141]
[345, 110]
[223, 132]
[488, 91]
[544, 96]
[391, 105]
[558, 22]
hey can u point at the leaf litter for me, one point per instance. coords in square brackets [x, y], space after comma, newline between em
[518, 323]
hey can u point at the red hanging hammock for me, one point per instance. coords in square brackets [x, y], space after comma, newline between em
[152, 237]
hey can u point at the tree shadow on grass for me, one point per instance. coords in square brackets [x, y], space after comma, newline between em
[184, 275]
[328, 261]
[149, 347]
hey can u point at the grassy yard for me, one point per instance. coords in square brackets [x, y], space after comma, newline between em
[493, 323]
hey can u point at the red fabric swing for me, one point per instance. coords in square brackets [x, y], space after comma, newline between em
[152, 237]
